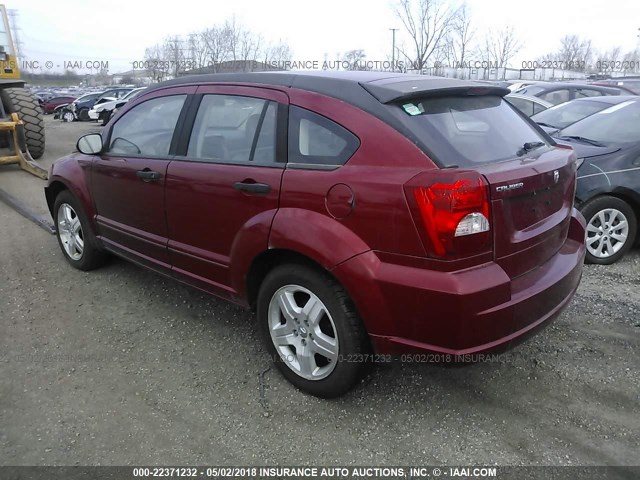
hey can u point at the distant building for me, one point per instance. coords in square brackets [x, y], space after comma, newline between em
[136, 77]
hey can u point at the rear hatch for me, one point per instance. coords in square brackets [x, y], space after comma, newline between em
[530, 182]
[531, 203]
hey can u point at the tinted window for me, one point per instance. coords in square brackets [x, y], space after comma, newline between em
[226, 130]
[562, 115]
[466, 131]
[537, 108]
[616, 124]
[633, 85]
[147, 128]
[316, 140]
[525, 106]
[556, 96]
[587, 92]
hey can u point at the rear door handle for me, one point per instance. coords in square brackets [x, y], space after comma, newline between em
[252, 187]
[148, 175]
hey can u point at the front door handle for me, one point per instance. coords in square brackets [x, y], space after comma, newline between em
[252, 187]
[148, 175]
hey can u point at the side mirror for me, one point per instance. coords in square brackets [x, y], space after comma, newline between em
[90, 144]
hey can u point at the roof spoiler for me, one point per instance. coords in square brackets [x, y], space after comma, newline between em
[404, 91]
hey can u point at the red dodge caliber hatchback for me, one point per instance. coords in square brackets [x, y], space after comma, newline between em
[359, 213]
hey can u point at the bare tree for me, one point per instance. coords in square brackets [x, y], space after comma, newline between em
[156, 62]
[575, 53]
[459, 39]
[427, 22]
[249, 49]
[608, 61]
[277, 55]
[198, 50]
[500, 47]
[355, 59]
[631, 61]
[216, 41]
[174, 55]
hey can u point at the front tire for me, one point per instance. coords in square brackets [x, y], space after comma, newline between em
[312, 330]
[83, 115]
[20, 101]
[611, 229]
[73, 231]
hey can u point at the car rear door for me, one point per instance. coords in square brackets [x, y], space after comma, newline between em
[128, 181]
[223, 186]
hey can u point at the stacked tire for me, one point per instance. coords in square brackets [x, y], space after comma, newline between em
[20, 101]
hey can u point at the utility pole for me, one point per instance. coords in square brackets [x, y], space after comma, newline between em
[393, 49]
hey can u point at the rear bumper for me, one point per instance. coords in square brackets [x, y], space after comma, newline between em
[407, 309]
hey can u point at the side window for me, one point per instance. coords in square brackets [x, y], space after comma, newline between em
[521, 104]
[234, 129]
[537, 108]
[147, 129]
[316, 140]
[556, 97]
[587, 92]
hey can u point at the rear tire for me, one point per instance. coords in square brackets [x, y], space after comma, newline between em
[20, 101]
[320, 350]
[75, 237]
[611, 229]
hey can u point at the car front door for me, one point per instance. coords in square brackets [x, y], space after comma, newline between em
[128, 180]
[223, 185]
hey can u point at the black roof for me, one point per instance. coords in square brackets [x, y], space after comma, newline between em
[610, 99]
[351, 86]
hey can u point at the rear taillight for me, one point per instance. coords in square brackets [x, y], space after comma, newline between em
[453, 208]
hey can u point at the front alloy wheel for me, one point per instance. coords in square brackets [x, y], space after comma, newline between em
[70, 232]
[78, 243]
[611, 229]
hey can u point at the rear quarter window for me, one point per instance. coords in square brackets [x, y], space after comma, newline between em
[316, 140]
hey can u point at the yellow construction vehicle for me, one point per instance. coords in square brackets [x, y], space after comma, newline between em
[21, 122]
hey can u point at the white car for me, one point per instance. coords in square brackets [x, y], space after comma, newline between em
[94, 112]
[104, 108]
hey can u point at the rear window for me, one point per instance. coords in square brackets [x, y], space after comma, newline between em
[467, 131]
[531, 90]
[615, 125]
[565, 114]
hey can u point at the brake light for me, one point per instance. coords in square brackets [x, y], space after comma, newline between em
[455, 214]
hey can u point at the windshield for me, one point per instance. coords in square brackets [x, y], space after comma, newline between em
[132, 94]
[88, 96]
[616, 124]
[467, 131]
[565, 114]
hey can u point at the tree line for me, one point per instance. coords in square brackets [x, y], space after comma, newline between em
[212, 48]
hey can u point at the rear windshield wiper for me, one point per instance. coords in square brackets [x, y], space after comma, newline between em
[528, 146]
[578, 138]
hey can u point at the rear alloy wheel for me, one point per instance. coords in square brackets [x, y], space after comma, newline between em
[312, 330]
[78, 244]
[611, 229]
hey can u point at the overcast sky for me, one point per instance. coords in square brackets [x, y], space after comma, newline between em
[118, 31]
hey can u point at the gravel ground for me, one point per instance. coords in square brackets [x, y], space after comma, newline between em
[121, 366]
